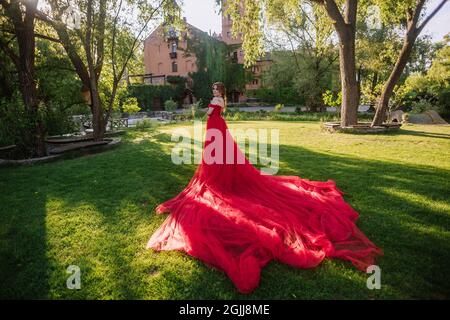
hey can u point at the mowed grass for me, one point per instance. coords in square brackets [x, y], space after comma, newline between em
[97, 212]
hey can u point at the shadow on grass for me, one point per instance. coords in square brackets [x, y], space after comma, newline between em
[24, 264]
[98, 212]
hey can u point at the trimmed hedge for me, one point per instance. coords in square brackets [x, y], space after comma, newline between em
[146, 93]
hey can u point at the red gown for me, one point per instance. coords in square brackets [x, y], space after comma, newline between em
[233, 218]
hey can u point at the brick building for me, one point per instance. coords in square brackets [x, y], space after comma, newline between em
[163, 56]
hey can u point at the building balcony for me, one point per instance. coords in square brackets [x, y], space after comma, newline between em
[172, 34]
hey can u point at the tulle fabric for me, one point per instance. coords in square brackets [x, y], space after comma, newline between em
[233, 218]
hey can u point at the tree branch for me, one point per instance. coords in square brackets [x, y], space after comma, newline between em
[351, 7]
[413, 18]
[37, 35]
[100, 36]
[130, 54]
[439, 7]
[113, 42]
[9, 52]
[68, 46]
[335, 14]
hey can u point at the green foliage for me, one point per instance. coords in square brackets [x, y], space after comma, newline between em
[377, 49]
[285, 95]
[170, 105]
[278, 107]
[290, 15]
[144, 124]
[146, 94]
[309, 69]
[421, 105]
[430, 90]
[14, 123]
[57, 81]
[17, 122]
[8, 78]
[214, 64]
[394, 11]
[131, 105]
[176, 80]
[178, 84]
[332, 99]
[249, 24]
[57, 120]
[196, 109]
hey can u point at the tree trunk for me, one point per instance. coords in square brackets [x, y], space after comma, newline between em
[24, 30]
[97, 114]
[349, 85]
[29, 96]
[388, 88]
[97, 108]
[345, 26]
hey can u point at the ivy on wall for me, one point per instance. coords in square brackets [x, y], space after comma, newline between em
[147, 93]
[213, 64]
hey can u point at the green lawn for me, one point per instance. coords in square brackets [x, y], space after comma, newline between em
[97, 212]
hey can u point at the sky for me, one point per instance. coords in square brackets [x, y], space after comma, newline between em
[204, 15]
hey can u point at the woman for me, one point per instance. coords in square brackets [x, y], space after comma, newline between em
[236, 219]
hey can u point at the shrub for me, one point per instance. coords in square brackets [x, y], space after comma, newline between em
[194, 110]
[57, 120]
[144, 124]
[170, 105]
[278, 107]
[130, 105]
[332, 99]
[148, 94]
[421, 105]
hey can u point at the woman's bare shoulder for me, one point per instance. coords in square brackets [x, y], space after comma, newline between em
[218, 100]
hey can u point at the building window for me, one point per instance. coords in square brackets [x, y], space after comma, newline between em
[174, 47]
[235, 55]
[174, 67]
[255, 81]
[228, 34]
[229, 17]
